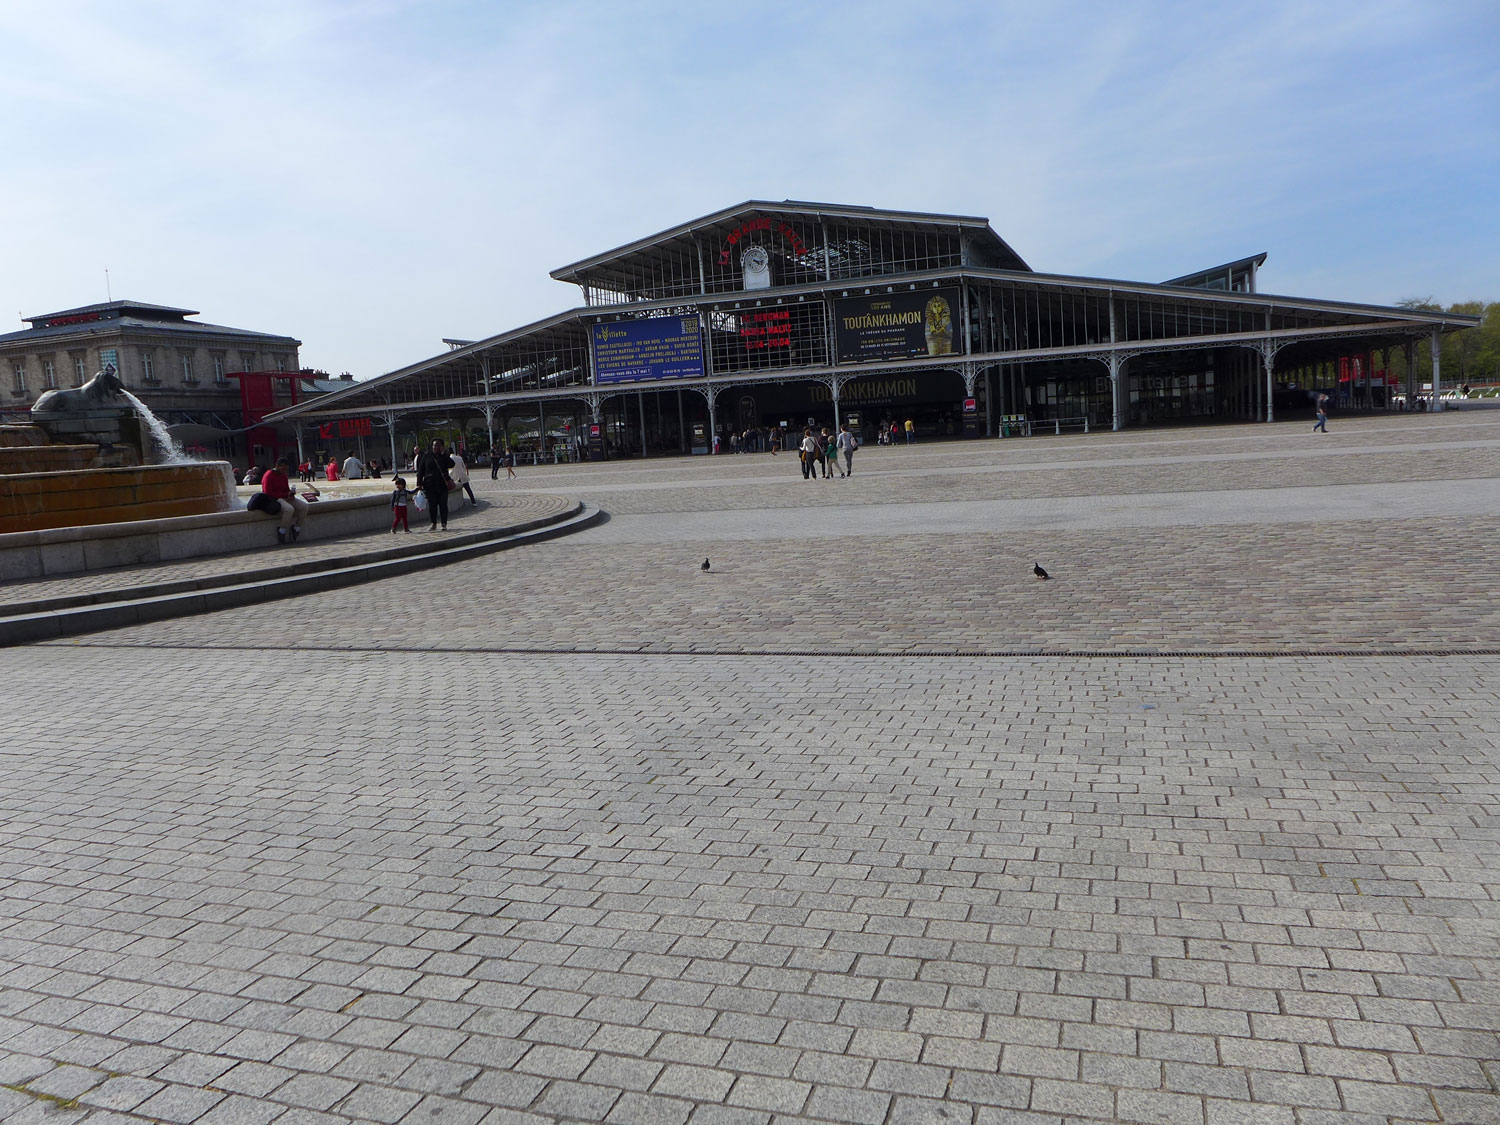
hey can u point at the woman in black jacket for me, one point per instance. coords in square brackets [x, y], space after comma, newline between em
[432, 478]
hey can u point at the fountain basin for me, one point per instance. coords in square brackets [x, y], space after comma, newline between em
[68, 550]
[36, 501]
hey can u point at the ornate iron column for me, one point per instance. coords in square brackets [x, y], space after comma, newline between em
[390, 429]
[1268, 349]
[1116, 363]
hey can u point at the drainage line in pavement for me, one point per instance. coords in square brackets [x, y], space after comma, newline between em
[920, 654]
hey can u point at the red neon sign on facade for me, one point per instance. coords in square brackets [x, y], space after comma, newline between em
[784, 229]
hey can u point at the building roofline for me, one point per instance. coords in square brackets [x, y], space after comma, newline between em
[571, 271]
[437, 360]
[135, 326]
[1257, 260]
[107, 306]
[596, 312]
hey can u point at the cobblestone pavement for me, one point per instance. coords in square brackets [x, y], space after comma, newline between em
[795, 865]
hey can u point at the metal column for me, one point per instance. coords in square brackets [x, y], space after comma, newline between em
[1114, 372]
[1436, 343]
[1411, 374]
[1115, 363]
[489, 412]
[682, 434]
[989, 406]
[1269, 351]
[640, 405]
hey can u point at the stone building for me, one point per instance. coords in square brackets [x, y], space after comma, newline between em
[183, 369]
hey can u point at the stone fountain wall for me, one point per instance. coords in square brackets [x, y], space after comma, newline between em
[117, 427]
[25, 449]
[35, 501]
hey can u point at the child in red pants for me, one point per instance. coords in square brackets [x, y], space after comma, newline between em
[399, 500]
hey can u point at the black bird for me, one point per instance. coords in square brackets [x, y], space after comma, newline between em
[1036, 568]
[704, 566]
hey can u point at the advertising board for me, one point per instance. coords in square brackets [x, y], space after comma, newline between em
[903, 325]
[635, 351]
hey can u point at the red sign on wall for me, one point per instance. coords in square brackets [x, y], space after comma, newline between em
[771, 329]
[794, 240]
[346, 427]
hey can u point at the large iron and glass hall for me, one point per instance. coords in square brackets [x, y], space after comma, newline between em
[771, 314]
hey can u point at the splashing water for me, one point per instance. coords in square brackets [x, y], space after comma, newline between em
[171, 453]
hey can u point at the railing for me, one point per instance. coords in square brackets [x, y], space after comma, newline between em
[1020, 424]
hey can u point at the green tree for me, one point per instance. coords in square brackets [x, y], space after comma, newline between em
[1470, 355]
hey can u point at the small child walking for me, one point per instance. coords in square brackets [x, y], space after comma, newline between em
[399, 501]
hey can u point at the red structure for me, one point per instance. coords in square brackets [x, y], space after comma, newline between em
[258, 397]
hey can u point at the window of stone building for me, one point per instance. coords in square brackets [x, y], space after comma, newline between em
[281, 363]
[49, 374]
[20, 374]
[219, 368]
[78, 375]
[247, 360]
[148, 366]
[187, 369]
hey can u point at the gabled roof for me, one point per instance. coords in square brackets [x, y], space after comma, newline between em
[1197, 278]
[727, 220]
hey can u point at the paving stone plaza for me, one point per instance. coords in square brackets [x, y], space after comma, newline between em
[863, 825]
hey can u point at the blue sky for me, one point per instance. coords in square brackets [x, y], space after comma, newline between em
[372, 176]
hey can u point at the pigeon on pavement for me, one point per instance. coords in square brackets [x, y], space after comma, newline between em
[1036, 568]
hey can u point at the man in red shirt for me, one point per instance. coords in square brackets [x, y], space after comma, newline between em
[293, 508]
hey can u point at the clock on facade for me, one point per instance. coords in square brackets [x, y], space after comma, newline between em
[755, 266]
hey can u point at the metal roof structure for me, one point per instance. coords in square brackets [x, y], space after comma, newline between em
[820, 264]
[805, 241]
[1229, 273]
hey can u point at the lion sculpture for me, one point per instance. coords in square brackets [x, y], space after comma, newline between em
[98, 391]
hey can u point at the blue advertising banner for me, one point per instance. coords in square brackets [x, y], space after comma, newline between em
[634, 351]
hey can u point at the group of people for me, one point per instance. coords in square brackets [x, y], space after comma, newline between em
[438, 472]
[890, 433]
[352, 468]
[820, 450]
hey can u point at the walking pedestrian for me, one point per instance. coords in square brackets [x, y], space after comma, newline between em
[911, 431]
[494, 462]
[826, 453]
[510, 463]
[809, 450]
[1322, 422]
[432, 472]
[847, 444]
